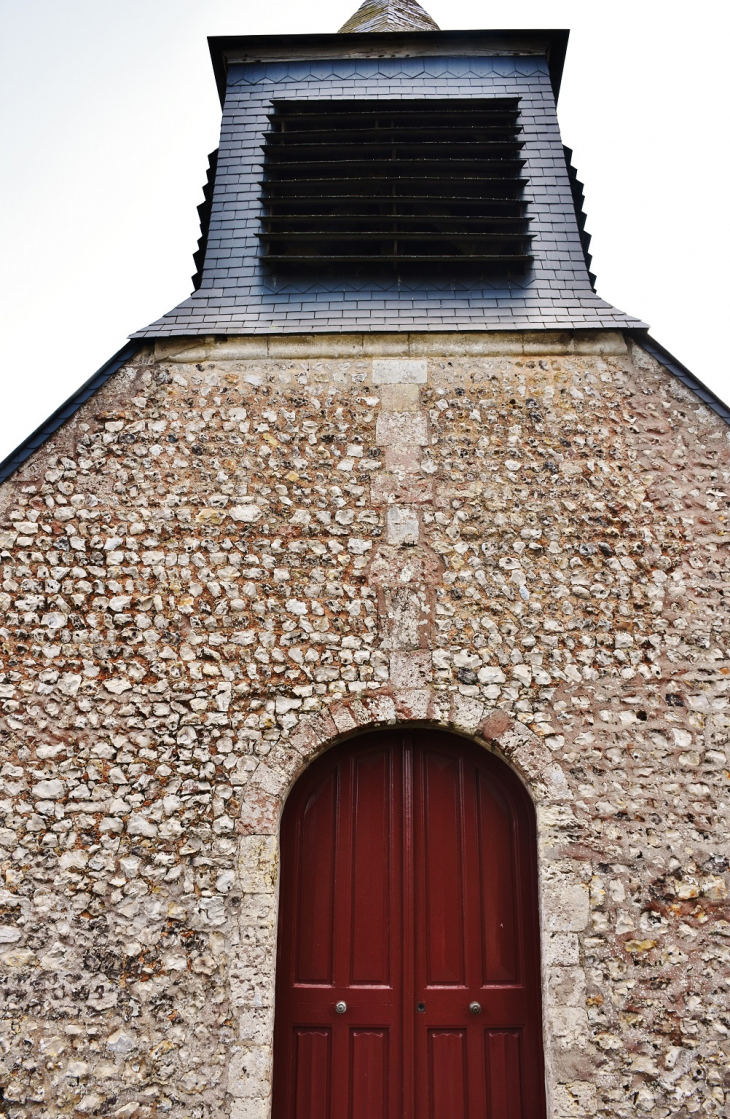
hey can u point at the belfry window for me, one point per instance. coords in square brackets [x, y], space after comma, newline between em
[393, 183]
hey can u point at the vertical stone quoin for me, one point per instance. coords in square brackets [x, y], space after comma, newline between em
[404, 570]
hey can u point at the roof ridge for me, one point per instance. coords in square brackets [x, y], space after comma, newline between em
[389, 15]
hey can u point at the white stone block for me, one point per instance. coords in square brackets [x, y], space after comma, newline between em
[399, 371]
[49, 790]
[401, 429]
[251, 1109]
[561, 949]
[566, 906]
[575, 1100]
[257, 861]
[399, 398]
[402, 524]
[410, 670]
[566, 987]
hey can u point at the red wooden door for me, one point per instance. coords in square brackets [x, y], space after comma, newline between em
[408, 897]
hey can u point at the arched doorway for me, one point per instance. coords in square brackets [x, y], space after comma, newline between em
[408, 978]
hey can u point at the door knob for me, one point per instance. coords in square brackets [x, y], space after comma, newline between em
[340, 1007]
[475, 1007]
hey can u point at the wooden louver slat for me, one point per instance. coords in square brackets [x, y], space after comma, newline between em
[395, 182]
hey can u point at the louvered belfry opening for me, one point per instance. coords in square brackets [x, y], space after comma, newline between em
[395, 184]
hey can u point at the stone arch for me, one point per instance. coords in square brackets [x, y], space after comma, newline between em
[515, 743]
[563, 886]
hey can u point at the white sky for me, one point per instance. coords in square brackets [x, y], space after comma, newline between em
[108, 110]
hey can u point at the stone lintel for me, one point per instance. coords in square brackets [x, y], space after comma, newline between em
[411, 346]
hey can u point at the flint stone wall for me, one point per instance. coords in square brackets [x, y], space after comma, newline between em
[238, 552]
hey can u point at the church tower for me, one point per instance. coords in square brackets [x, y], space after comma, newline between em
[363, 656]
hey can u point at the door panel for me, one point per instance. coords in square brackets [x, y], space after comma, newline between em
[313, 1074]
[371, 872]
[504, 1073]
[447, 1074]
[408, 892]
[316, 910]
[369, 1074]
[443, 919]
[498, 877]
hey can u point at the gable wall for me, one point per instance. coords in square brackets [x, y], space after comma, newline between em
[516, 536]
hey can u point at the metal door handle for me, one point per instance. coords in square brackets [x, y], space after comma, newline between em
[340, 1007]
[475, 1007]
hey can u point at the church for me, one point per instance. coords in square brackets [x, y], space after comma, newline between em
[364, 658]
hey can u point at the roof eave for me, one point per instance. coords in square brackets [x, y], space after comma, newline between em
[225, 49]
[674, 366]
[67, 410]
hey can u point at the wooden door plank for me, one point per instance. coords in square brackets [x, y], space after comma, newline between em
[408, 930]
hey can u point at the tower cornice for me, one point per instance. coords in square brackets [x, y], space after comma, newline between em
[228, 50]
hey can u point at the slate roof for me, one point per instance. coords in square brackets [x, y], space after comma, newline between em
[237, 296]
[390, 15]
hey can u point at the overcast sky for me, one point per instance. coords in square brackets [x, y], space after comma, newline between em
[108, 110]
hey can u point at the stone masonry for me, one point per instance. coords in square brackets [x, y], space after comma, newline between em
[240, 551]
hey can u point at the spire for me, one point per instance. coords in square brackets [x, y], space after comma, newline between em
[390, 15]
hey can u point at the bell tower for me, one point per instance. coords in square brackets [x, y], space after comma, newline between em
[394, 177]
